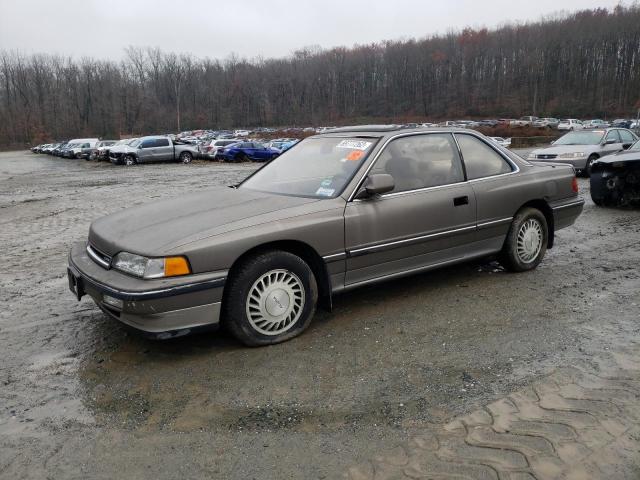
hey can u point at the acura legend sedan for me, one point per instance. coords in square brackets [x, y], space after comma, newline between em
[346, 208]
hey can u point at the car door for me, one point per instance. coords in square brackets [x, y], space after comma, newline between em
[498, 195]
[428, 219]
[612, 142]
[627, 138]
[145, 151]
[163, 151]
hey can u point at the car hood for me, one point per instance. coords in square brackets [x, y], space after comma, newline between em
[121, 149]
[559, 149]
[623, 156]
[155, 228]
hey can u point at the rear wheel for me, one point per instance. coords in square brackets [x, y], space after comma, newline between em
[270, 298]
[185, 157]
[526, 241]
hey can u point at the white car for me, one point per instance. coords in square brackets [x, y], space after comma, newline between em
[211, 149]
[503, 142]
[596, 124]
[523, 121]
[570, 124]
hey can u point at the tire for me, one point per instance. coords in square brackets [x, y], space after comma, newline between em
[526, 242]
[129, 160]
[587, 169]
[185, 157]
[258, 298]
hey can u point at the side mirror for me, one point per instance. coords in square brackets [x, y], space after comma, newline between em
[376, 184]
[610, 142]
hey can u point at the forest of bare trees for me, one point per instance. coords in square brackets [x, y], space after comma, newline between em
[582, 64]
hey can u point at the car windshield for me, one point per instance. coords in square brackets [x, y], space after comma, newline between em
[134, 143]
[581, 138]
[318, 167]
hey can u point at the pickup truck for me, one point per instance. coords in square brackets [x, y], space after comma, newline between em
[153, 149]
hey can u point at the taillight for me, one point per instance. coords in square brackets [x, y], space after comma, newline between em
[574, 184]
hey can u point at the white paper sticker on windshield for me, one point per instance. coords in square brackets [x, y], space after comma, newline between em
[354, 144]
[325, 192]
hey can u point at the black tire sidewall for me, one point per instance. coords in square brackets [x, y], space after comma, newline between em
[509, 257]
[241, 281]
[587, 168]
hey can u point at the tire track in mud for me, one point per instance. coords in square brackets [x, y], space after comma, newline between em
[577, 423]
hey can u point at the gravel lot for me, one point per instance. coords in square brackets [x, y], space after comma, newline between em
[80, 397]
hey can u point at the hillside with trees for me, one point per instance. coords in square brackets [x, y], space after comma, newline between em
[584, 64]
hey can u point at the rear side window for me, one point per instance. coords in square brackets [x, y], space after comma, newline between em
[626, 136]
[480, 159]
[162, 142]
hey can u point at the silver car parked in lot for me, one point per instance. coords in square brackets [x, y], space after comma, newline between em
[581, 149]
[341, 210]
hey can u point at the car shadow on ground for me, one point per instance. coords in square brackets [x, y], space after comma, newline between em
[348, 307]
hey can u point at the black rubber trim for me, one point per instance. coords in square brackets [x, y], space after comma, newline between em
[149, 294]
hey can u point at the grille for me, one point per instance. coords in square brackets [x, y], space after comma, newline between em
[547, 157]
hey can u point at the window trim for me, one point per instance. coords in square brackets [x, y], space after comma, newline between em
[514, 167]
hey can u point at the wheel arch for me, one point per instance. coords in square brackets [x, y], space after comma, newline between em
[303, 250]
[546, 210]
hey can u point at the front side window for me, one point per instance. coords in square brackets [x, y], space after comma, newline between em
[613, 136]
[148, 143]
[319, 167]
[420, 161]
[480, 160]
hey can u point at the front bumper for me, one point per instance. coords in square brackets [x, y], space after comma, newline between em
[161, 308]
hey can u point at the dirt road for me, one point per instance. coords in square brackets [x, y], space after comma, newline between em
[80, 397]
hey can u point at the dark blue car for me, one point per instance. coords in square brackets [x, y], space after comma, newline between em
[245, 151]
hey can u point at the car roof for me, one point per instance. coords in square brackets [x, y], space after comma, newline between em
[388, 130]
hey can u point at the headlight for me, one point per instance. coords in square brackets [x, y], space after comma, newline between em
[572, 155]
[144, 267]
[531, 156]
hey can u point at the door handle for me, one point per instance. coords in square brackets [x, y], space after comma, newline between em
[461, 201]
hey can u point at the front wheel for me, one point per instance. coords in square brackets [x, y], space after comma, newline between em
[589, 165]
[185, 157]
[129, 160]
[270, 298]
[526, 241]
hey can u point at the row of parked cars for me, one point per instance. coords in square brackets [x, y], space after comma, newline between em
[163, 148]
[572, 123]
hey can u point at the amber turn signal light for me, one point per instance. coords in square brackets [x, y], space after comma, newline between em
[175, 266]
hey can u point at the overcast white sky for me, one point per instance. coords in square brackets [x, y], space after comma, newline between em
[249, 28]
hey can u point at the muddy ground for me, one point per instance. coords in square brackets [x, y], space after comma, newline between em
[81, 397]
